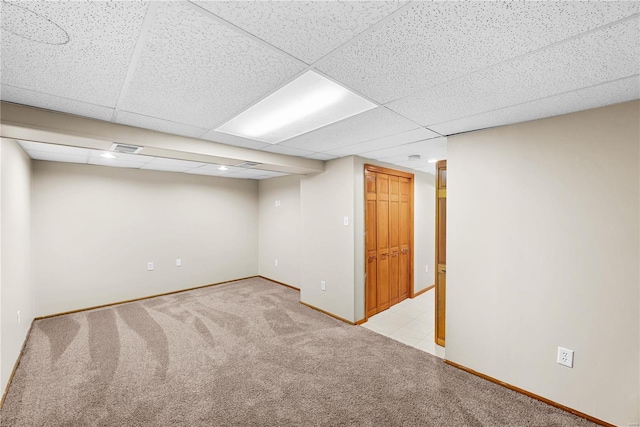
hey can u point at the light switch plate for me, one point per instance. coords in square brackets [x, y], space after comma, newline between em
[149, 266]
[346, 220]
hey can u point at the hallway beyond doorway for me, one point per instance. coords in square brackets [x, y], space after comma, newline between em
[411, 322]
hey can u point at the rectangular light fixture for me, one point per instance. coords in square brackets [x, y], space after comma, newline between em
[309, 102]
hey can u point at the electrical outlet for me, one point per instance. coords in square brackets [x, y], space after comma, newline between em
[18, 317]
[149, 266]
[345, 220]
[178, 262]
[565, 357]
[323, 285]
[276, 263]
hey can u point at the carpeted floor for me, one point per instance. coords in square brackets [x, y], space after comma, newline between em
[243, 354]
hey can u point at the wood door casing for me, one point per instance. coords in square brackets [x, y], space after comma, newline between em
[388, 238]
[441, 252]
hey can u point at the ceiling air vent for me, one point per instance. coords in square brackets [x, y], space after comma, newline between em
[125, 148]
[248, 164]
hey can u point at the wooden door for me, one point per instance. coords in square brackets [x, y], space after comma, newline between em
[441, 250]
[388, 238]
[371, 242]
[405, 233]
[382, 214]
[394, 238]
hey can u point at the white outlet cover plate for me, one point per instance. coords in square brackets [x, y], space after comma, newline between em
[565, 357]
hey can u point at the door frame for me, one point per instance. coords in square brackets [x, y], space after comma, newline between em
[440, 288]
[411, 178]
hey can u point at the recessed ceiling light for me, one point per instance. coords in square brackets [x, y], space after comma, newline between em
[223, 168]
[108, 156]
[309, 102]
[432, 161]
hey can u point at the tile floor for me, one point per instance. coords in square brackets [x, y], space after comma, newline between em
[410, 322]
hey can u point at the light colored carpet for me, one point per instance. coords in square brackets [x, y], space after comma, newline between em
[243, 354]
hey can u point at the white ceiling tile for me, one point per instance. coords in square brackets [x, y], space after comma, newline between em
[289, 151]
[436, 147]
[251, 172]
[53, 148]
[605, 94]
[434, 42]
[307, 30]
[604, 55]
[196, 71]
[57, 157]
[385, 142]
[213, 167]
[166, 168]
[371, 124]
[225, 138]
[137, 158]
[116, 163]
[161, 125]
[55, 103]
[203, 171]
[90, 67]
[321, 156]
[174, 163]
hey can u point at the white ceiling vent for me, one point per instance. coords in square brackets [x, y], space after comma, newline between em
[248, 164]
[125, 148]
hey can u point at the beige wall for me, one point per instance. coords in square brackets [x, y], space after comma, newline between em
[16, 284]
[543, 251]
[279, 229]
[326, 244]
[95, 228]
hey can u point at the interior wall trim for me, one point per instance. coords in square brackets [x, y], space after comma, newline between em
[328, 314]
[528, 393]
[141, 298]
[428, 288]
[280, 283]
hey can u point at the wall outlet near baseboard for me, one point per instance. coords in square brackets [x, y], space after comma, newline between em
[565, 357]
[323, 285]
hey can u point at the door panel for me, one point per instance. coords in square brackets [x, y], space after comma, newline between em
[371, 240]
[382, 213]
[404, 231]
[394, 238]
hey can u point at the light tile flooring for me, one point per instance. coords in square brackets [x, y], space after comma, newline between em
[410, 322]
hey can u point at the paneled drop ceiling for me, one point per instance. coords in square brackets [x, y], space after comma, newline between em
[432, 68]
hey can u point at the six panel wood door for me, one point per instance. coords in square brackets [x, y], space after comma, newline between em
[388, 238]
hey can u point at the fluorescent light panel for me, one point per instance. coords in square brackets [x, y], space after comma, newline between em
[309, 102]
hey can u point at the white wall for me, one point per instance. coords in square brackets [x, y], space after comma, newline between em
[95, 228]
[279, 229]
[543, 251]
[423, 229]
[16, 284]
[327, 246]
